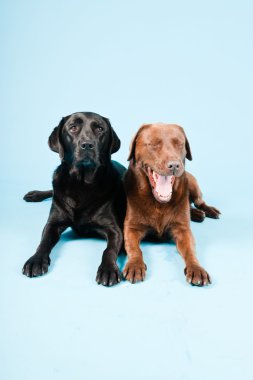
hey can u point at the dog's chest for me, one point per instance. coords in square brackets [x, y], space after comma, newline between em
[79, 209]
[160, 218]
[85, 212]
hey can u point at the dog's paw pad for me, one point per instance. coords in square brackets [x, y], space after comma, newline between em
[108, 275]
[135, 271]
[197, 275]
[197, 215]
[212, 212]
[36, 266]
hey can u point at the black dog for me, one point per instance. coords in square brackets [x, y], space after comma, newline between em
[88, 193]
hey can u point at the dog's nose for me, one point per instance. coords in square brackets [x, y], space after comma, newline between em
[87, 145]
[174, 166]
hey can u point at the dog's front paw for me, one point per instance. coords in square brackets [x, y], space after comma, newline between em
[135, 271]
[196, 275]
[108, 274]
[36, 266]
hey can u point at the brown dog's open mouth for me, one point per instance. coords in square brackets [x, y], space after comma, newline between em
[161, 185]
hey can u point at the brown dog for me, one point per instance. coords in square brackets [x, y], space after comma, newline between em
[158, 193]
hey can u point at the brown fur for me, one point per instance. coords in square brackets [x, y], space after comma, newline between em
[155, 145]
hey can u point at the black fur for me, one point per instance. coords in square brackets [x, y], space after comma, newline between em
[88, 193]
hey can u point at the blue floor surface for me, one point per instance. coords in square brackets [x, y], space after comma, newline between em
[65, 326]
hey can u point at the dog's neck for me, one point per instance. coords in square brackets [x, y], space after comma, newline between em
[81, 175]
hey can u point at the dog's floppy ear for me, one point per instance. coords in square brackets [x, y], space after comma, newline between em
[187, 146]
[133, 143]
[131, 155]
[115, 145]
[54, 140]
[188, 150]
[115, 141]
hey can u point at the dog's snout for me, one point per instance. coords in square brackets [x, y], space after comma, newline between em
[87, 145]
[174, 166]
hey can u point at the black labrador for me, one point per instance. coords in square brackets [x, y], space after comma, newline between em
[88, 193]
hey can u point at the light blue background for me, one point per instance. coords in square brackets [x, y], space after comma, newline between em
[188, 62]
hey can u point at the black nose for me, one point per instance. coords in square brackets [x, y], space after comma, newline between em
[174, 166]
[87, 145]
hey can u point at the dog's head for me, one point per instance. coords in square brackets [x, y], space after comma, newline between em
[84, 140]
[160, 150]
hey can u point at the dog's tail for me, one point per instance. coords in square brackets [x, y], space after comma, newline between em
[37, 196]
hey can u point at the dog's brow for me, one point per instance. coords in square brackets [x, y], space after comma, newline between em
[177, 140]
[96, 122]
[78, 120]
[154, 141]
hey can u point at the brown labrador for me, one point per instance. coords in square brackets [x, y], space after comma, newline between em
[159, 194]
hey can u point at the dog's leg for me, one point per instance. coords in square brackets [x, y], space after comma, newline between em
[37, 195]
[195, 274]
[198, 215]
[108, 273]
[38, 264]
[135, 269]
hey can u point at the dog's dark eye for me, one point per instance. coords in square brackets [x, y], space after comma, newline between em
[74, 129]
[99, 128]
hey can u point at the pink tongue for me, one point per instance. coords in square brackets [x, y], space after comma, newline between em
[163, 185]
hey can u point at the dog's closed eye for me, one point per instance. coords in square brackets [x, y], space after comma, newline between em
[178, 142]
